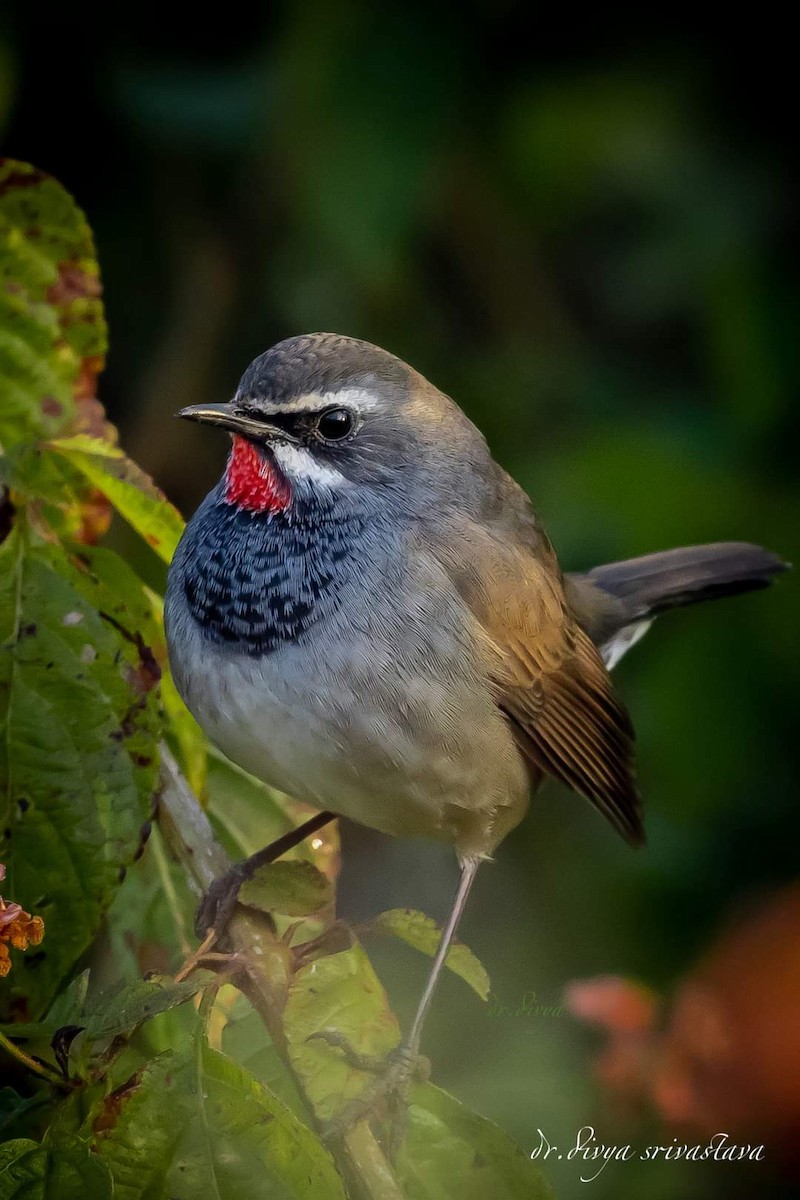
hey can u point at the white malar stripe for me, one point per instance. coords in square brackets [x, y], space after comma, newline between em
[298, 463]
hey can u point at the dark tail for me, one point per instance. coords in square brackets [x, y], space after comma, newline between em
[616, 603]
[673, 578]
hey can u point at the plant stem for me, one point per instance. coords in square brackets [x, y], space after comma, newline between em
[31, 1063]
[266, 967]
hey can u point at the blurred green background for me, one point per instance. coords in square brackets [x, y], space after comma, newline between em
[582, 231]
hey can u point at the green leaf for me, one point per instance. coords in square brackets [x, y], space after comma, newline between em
[129, 489]
[13, 1107]
[66, 1009]
[195, 1123]
[293, 888]
[422, 932]
[118, 1010]
[122, 1010]
[152, 911]
[190, 740]
[52, 329]
[245, 813]
[245, 1039]
[114, 1013]
[68, 1006]
[110, 1013]
[189, 737]
[60, 1168]
[78, 750]
[340, 994]
[85, 443]
[451, 1153]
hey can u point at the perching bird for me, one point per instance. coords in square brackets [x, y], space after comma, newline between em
[366, 613]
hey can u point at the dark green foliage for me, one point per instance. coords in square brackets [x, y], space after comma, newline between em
[80, 728]
[61, 1166]
[194, 1122]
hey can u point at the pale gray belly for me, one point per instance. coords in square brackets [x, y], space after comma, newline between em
[377, 737]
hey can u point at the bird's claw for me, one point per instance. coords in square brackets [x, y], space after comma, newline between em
[394, 1075]
[216, 908]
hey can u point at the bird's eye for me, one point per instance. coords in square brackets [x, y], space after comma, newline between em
[334, 424]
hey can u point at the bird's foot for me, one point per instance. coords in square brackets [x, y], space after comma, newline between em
[216, 908]
[385, 1099]
[206, 956]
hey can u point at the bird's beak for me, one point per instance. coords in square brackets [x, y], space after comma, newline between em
[228, 417]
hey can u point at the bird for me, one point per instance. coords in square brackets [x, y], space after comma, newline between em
[366, 613]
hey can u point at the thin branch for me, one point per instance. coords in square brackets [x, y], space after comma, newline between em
[267, 969]
[32, 1064]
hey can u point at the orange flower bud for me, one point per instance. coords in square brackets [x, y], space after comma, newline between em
[17, 928]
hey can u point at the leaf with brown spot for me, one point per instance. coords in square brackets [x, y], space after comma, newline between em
[196, 1124]
[112, 1104]
[130, 490]
[52, 326]
[85, 793]
[52, 348]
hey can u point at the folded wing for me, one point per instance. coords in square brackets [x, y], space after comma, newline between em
[548, 676]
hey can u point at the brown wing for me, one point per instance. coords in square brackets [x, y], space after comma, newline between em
[550, 679]
[568, 722]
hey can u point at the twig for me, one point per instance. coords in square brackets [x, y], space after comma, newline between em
[266, 968]
[32, 1064]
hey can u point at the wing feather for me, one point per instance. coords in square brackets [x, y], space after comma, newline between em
[548, 675]
[569, 723]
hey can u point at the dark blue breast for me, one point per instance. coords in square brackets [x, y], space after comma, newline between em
[256, 581]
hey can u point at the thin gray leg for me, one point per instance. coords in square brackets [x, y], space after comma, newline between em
[468, 871]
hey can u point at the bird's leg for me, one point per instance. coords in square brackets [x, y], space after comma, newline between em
[218, 903]
[397, 1072]
[468, 871]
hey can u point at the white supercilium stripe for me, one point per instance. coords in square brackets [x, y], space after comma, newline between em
[360, 400]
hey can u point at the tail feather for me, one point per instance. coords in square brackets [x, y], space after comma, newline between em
[615, 603]
[673, 578]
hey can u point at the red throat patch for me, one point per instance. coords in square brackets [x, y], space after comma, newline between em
[253, 481]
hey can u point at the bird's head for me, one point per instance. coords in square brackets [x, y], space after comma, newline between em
[322, 416]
